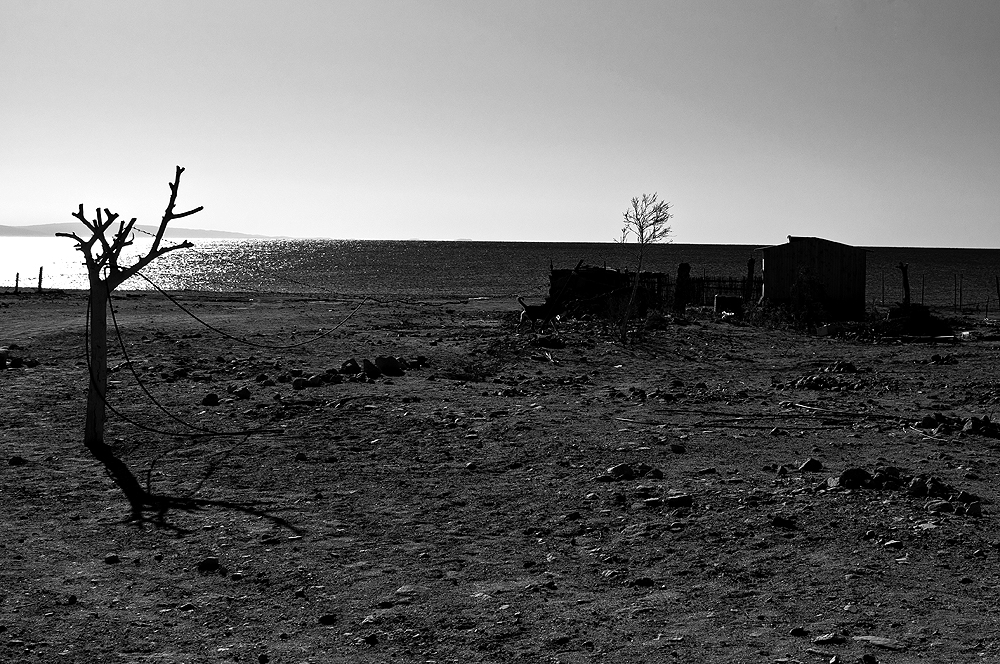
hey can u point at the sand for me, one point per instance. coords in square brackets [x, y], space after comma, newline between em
[465, 511]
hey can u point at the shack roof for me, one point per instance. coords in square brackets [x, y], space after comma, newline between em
[802, 238]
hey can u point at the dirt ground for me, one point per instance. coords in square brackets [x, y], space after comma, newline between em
[711, 493]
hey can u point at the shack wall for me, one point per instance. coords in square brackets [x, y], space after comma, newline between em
[839, 270]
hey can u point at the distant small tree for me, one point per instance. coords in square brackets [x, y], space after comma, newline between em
[102, 252]
[646, 221]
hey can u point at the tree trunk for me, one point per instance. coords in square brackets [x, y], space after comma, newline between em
[93, 437]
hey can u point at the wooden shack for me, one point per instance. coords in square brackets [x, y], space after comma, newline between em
[809, 270]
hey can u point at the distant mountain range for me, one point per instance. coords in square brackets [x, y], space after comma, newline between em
[49, 230]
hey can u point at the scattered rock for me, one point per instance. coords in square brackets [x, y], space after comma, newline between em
[939, 507]
[780, 521]
[854, 478]
[811, 466]
[327, 619]
[677, 448]
[389, 366]
[350, 367]
[209, 565]
[371, 371]
[829, 638]
[881, 642]
[680, 500]
[892, 544]
[299, 383]
[210, 399]
[112, 559]
[16, 460]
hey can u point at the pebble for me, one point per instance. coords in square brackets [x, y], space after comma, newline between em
[17, 460]
[831, 637]
[880, 642]
[112, 559]
[210, 399]
[939, 507]
[780, 521]
[811, 465]
[854, 478]
[680, 500]
[893, 544]
[389, 366]
[371, 371]
[208, 565]
[327, 619]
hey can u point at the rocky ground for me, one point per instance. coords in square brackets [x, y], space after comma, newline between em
[713, 492]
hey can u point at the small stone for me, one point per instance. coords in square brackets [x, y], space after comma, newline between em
[209, 565]
[210, 399]
[17, 460]
[371, 639]
[680, 500]
[974, 509]
[327, 619]
[351, 367]
[187, 607]
[829, 638]
[112, 559]
[315, 380]
[917, 487]
[677, 448]
[242, 393]
[622, 471]
[798, 631]
[881, 642]
[811, 466]
[371, 371]
[893, 544]
[780, 521]
[301, 456]
[389, 366]
[71, 600]
[854, 478]
[939, 507]
[263, 659]
[299, 383]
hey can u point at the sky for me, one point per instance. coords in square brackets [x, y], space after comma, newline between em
[873, 123]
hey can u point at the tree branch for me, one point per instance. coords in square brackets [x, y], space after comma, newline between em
[169, 214]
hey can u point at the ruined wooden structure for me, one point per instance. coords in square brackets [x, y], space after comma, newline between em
[813, 272]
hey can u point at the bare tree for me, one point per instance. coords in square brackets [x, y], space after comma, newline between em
[645, 220]
[102, 252]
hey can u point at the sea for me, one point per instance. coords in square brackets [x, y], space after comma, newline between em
[457, 270]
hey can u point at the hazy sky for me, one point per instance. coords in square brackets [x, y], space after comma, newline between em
[872, 123]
